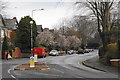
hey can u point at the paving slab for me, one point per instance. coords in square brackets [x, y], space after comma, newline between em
[95, 64]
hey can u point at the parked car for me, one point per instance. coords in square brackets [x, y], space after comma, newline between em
[86, 51]
[70, 52]
[90, 50]
[81, 51]
[54, 53]
[61, 53]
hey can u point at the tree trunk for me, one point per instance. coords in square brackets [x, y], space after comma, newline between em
[104, 41]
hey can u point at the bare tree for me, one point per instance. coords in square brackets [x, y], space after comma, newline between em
[102, 9]
[2, 6]
[73, 32]
[85, 26]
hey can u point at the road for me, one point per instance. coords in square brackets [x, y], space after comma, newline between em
[63, 67]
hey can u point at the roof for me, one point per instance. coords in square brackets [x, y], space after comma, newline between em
[10, 23]
[1, 21]
[39, 28]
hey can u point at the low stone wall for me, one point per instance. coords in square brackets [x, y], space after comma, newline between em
[115, 62]
[17, 53]
[26, 55]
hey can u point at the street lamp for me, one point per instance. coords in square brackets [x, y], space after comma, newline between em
[36, 10]
[1, 40]
[31, 22]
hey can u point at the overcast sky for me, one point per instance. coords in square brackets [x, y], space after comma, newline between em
[54, 10]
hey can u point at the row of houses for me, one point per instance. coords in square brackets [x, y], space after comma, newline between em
[40, 29]
[9, 26]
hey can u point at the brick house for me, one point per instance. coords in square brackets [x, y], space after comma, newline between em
[39, 28]
[8, 27]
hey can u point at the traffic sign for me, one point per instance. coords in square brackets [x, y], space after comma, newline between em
[36, 58]
[32, 63]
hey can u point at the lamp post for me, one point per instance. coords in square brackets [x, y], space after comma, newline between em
[36, 10]
[1, 40]
[31, 22]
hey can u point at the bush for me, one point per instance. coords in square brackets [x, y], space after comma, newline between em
[119, 45]
[101, 52]
[4, 47]
[112, 51]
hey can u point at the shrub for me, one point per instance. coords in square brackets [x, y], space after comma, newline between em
[4, 47]
[119, 45]
[112, 51]
[101, 52]
[41, 46]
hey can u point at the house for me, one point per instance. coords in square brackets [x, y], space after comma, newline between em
[10, 26]
[2, 24]
[1, 33]
[39, 28]
[48, 30]
[7, 26]
[45, 29]
[51, 30]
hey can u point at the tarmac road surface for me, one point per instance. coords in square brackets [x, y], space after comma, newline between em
[64, 67]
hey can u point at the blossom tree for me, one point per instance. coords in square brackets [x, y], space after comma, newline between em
[74, 42]
[45, 39]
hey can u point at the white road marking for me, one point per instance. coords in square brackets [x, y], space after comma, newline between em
[13, 76]
[9, 70]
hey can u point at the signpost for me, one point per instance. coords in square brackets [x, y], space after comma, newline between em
[36, 58]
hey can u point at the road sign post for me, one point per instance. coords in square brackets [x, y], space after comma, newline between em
[36, 58]
[32, 63]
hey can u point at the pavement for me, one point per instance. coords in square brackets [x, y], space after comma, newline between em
[95, 64]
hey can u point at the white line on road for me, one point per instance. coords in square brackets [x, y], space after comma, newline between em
[9, 70]
[13, 76]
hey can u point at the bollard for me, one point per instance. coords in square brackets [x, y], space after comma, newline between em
[32, 63]
[35, 58]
